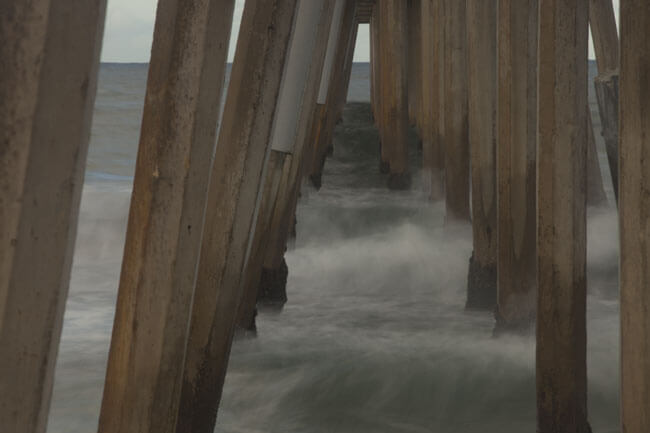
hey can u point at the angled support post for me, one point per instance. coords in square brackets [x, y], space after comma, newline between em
[177, 140]
[48, 78]
[331, 83]
[606, 47]
[235, 182]
[295, 107]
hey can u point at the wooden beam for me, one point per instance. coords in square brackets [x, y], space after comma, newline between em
[241, 151]
[561, 233]
[605, 37]
[48, 77]
[432, 106]
[342, 94]
[607, 95]
[177, 141]
[482, 80]
[517, 155]
[393, 16]
[596, 196]
[282, 219]
[606, 47]
[306, 60]
[414, 61]
[634, 216]
[456, 112]
[375, 65]
[331, 86]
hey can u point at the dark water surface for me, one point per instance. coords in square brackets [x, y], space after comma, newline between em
[374, 337]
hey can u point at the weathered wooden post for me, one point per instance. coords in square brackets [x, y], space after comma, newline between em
[295, 107]
[595, 191]
[393, 16]
[482, 81]
[516, 149]
[414, 62]
[241, 151]
[48, 77]
[373, 56]
[283, 216]
[433, 156]
[342, 94]
[561, 232]
[177, 141]
[456, 112]
[331, 84]
[606, 47]
[634, 214]
[374, 64]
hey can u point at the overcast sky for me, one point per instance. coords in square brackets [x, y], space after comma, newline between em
[129, 29]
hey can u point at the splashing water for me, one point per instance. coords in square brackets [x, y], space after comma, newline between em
[374, 337]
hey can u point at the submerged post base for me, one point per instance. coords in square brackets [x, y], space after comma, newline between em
[399, 181]
[481, 286]
[273, 287]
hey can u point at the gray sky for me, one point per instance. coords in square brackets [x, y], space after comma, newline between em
[129, 30]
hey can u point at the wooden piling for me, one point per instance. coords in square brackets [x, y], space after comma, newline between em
[241, 151]
[332, 82]
[634, 215]
[283, 217]
[297, 102]
[414, 62]
[48, 78]
[342, 94]
[561, 233]
[251, 279]
[607, 95]
[177, 140]
[432, 146]
[375, 68]
[606, 47]
[373, 55]
[596, 196]
[456, 132]
[517, 148]
[393, 16]
[482, 89]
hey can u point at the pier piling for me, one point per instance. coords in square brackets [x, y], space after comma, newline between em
[48, 76]
[561, 232]
[606, 47]
[332, 82]
[634, 215]
[393, 52]
[241, 151]
[517, 147]
[431, 40]
[482, 84]
[293, 113]
[165, 225]
[456, 133]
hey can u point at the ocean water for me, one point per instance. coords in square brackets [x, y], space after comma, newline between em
[374, 337]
